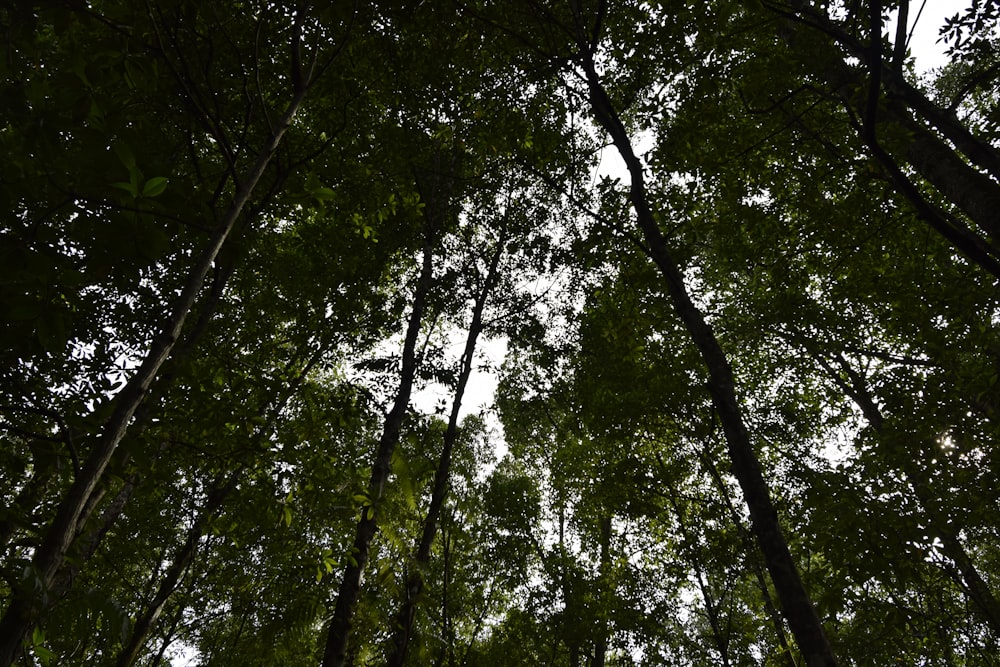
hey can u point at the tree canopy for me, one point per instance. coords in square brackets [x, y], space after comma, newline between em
[748, 404]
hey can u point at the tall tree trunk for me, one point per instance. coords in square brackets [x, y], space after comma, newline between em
[711, 605]
[29, 601]
[888, 69]
[28, 497]
[220, 489]
[168, 637]
[448, 646]
[180, 562]
[574, 653]
[350, 586]
[568, 632]
[795, 601]
[415, 580]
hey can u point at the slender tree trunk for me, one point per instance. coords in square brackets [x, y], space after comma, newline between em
[979, 151]
[28, 603]
[947, 170]
[143, 625]
[448, 647]
[795, 601]
[168, 638]
[86, 544]
[711, 605]
[977, 588]
[350, 586]
[217, 494]
[567, 633]
[27, 498]
[753, 556]
[574, 653]
[415, 580]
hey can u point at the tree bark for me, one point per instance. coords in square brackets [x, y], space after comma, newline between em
[976, 194]
[795, 601]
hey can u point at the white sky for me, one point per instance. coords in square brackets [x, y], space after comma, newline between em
[926, 50]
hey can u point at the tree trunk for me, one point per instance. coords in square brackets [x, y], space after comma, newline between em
[711, 605]
[29, 601]
[167, 638]
[978, 590]
[415, 581]
[350, 586]
[602, 632]
[795, 601]
[976, 194]
[979, 151]
[143, 625]
[754, 558]
[217, 494]
[948, 171]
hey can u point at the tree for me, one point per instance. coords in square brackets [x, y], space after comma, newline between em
[244, 242]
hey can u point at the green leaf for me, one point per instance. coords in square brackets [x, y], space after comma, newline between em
[324, 193]
[131, 188]
[44, 654]
[155, 186]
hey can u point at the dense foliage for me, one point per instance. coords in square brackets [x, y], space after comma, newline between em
[748, 398]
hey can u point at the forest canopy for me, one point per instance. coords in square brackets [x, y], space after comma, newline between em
[747, 407]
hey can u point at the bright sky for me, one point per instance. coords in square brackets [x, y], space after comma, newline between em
[927, 51]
